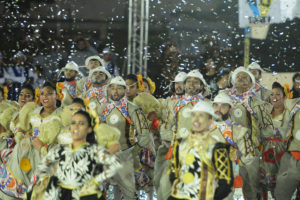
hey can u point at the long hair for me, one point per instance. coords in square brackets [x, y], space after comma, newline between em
[90, 138]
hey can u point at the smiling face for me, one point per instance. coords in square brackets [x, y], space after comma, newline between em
[192, 86]
[277, 97]
[25, 96]
[80, 128]
[117, 92]
[48, 97]
[179, 88]
[201, 122]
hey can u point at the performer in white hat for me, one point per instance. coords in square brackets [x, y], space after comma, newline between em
[176, 125]
[256, 70]
[235, 135]
[262, 92]
[91, 63]
[95, 90]
[131, 121]
[201, 160]
[251, 113]
[67, 89]
[179, 84]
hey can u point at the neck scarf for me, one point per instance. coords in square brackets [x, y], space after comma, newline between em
[87, 84]
[245, 97]
[71, 88]
[226, 130]
[98, 92]
[121, 105]
[176, 97]
[186, 99]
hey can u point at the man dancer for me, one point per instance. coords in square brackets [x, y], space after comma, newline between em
[91, 63]
[251, 113]
[201, 160]
[235, 135]
[130, 120]
[96, 88]
[262, 92]
[177, 125]
[68, 87]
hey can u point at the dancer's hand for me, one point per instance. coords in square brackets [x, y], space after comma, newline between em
[37, 144]
[114, 148]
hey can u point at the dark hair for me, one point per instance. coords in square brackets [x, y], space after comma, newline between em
[96, 60]
[79, 101]
[53, 86]
[49, 84]
[278, 85]
[259, 72]
[145, 80]
[90, 138]
[131, 77]
[201, 83]
[30, 88]
[295, 76]
[79, 40]
[222, 73]
[2, 91]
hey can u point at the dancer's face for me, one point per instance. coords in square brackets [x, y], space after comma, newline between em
[25, 96]
[79, 127]
[179, 88]
[243, 80]
[69, 74]
[99, 78]
[277, 97]
[201, 122]
[222, 110]
[132, 88]
[93, 64]
[117, 92]
[146, 86]
[192, 86]
[48, 97]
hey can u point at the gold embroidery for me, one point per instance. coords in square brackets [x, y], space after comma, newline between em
[222, 164]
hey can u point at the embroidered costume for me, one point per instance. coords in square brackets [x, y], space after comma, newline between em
[20, 163]
[134, 128]
[74, 169]
[199, 163]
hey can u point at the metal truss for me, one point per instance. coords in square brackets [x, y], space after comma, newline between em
[138, 27]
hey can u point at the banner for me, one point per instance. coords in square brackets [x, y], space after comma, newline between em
[259, 12]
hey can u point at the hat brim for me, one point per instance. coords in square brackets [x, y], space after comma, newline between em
[214, 116]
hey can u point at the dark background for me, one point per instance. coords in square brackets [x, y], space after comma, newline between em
[195, 27]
